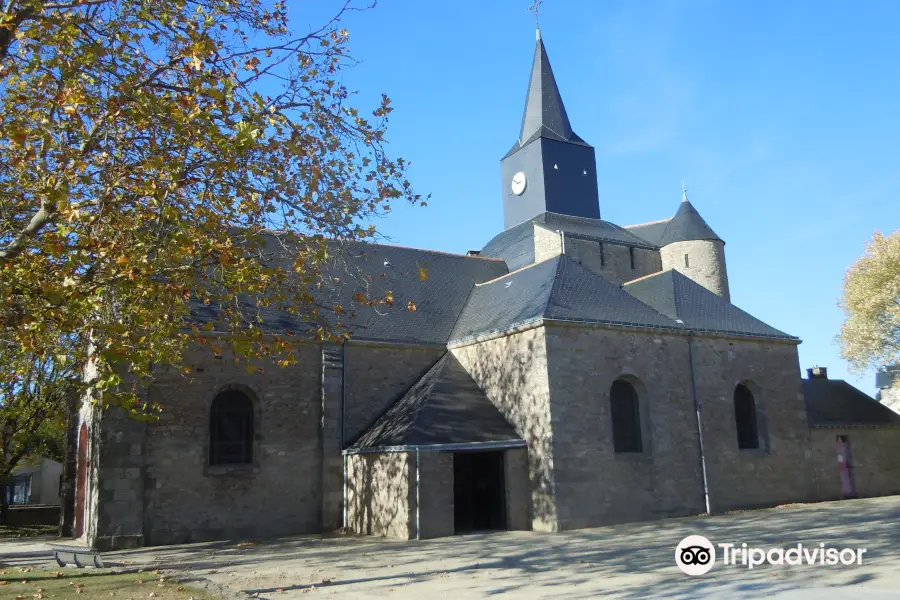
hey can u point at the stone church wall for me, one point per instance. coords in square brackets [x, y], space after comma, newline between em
[187, 500]
[613, 261]
[595, 485]
[874, 456]
[780, 471]
[381, 495]
[512, 370]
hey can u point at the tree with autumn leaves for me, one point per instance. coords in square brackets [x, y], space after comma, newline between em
[870, 335]
[148, 148]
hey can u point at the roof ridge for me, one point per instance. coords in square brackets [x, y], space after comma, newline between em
[427, 250]
[647, 223]
[534, 264]
[642, 277]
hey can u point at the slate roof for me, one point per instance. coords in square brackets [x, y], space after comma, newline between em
[680, 298]
[545, 115]
[445, 406]
[516, 244]
[686, 225]
[374, 269]
[651, 232]
[558, 288]
[834, 402]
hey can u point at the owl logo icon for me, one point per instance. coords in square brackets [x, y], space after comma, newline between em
[695, 555]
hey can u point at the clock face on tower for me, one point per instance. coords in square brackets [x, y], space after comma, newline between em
[519, 183]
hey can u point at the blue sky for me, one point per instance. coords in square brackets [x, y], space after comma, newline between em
[782, 117]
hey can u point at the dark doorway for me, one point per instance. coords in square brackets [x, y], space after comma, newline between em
[479, 492]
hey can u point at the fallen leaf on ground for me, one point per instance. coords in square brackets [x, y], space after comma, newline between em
[279, 589]
[4, 582]
[139, 581]
[181, 589]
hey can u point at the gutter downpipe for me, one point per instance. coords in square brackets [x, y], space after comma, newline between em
[562, 240]
[697, 406]
[417, 494]
[343, 395]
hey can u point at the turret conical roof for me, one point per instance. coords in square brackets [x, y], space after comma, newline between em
[687, 225]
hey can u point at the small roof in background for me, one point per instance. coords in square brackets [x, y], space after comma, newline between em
[835, 403]
[445, 406]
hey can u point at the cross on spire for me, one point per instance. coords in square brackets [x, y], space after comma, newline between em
[535, 8]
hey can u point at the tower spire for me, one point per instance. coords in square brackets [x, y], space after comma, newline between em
[683, 192]
[544, 109]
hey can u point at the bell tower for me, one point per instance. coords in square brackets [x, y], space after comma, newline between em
[549, 168]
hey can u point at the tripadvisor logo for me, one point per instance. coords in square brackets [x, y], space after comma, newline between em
[696, 555]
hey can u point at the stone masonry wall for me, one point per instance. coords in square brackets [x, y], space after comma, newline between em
[781, 470]
[613, 261]
[380, 494]
[512, 370]
[890, 397]
[594, 484]
[120, 493]
[188, 500]
[875, 470]
[518, 492]
[436, 517]
[706, 263]
[376, 377]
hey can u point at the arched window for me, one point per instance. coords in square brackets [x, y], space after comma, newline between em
[231, 429]
[626, 417]
[745, 418]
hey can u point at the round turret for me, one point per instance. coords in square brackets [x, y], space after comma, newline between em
[692, 248]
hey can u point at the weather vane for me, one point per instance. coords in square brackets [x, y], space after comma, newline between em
[535, 7]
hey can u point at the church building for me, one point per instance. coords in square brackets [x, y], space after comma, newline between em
[572, 373]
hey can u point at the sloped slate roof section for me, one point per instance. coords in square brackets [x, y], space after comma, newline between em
[445, 406]
[836, 402]
[517, 298]
[679, 297]
[650, 232]
[687, 225]
[558, 288]
[373, 270]
[514, 245]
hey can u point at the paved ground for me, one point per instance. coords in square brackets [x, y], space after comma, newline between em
[627, 561]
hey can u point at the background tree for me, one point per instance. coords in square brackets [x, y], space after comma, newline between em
[146, 146]
[33, 406]
[870, 335]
